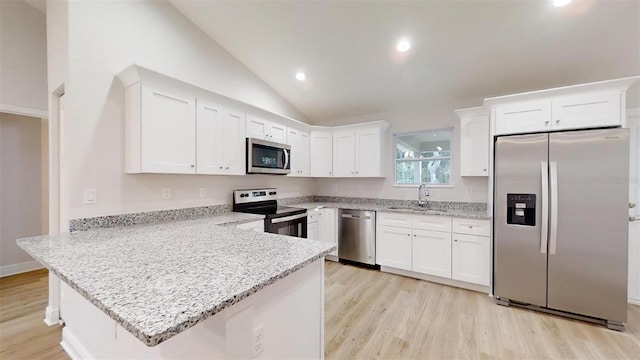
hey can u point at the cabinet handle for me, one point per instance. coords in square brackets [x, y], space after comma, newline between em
[456, 240]
[227, 168]
[220, 167]
[470, 226]
[557, 121]
[485, 170]
[329, 172]
[632, 205]
[546, 122]
[193, 166]
[356, 171]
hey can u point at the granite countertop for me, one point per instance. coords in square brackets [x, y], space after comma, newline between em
[469, 214]
[159, 280]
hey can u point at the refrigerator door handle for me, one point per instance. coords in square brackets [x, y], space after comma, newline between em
[553, 168]
[544, 232]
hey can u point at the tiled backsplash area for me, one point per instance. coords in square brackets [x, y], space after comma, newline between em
[434, 205]
[202, 211]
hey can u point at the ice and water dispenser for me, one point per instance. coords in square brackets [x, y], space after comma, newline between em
[521, 209]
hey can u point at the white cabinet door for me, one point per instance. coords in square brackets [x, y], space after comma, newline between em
[303, 154]
[432, 253]
[221, 139]
[368, 152]
[344, 160]
[321, 154]
[312, 230]
[470, 259]
[210, 144]
[393, 247]
[530, 116]
[263, 129]
[168, 131]
[474, 146]
[299, 142]
[257, 127]
[278, 133]
[233, 138]
[586, 110]
[327, 227]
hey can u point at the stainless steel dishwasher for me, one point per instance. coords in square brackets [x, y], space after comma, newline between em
[357, 236]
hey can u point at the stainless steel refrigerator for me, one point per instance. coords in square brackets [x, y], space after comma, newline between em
[561, 223]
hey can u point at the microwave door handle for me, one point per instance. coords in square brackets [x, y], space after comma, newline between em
[286, 158]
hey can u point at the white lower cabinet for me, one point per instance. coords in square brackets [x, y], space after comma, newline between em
[393, 247]
[322, 226]
[432, 253]
[257, 226]
[470, 259]
[426, 245]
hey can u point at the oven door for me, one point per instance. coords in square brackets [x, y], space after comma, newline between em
[266, 157]
[292, 225]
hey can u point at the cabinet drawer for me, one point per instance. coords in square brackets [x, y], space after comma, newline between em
[432, 223]
[471, 226]
[397, 220]
[312, 216]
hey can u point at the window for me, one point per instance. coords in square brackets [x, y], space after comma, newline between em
[423, 157]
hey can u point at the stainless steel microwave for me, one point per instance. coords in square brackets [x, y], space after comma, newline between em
[266, 157]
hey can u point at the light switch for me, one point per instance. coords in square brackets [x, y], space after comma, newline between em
[90, 196]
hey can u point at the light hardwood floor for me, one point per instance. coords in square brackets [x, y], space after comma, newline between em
[370, 314]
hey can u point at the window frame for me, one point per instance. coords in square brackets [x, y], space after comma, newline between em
[420, 159]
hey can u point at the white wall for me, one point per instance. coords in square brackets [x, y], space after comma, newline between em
[21, 157]
[105, 37]
[23, 58]
[437, 116]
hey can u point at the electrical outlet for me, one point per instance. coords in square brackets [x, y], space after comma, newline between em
[166, 193]
[258, 340]
[203, 192]
[469, 190]
[90, 196]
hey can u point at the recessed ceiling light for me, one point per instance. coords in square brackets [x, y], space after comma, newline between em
[403, 45]
[301, 76]
[560, 3]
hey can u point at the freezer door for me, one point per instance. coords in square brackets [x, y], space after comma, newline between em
[588, 239]
[520, 259]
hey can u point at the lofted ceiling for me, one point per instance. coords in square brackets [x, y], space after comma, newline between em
[461, 50]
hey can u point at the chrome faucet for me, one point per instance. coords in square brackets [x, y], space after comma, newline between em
[422, 195]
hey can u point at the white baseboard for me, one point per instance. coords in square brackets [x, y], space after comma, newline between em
[633, 301]
[73, 347]
[24, 111]
[19, 268]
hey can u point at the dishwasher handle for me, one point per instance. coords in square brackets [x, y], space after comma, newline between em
[349, 216]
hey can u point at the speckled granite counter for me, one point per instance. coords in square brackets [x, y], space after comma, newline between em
[469, 214]
[159, 280]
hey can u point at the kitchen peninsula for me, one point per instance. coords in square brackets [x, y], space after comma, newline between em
[187, 289]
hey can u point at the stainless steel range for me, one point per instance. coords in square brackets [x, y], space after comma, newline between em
[283, 220]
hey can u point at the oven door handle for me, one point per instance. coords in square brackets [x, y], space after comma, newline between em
[288, 218]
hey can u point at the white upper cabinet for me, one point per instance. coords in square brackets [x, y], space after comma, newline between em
[344, 157]
[586, 110]
[221, 139]
[592, 105]
[263, 129]
[299, 141]
[321, 153]
[358, 150]
[474, 142]
[530, 116]
[168, 131]
[160, 130]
